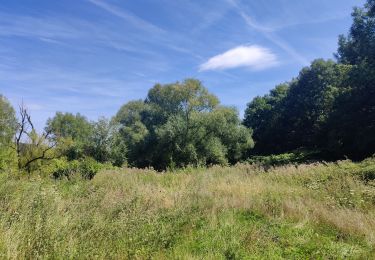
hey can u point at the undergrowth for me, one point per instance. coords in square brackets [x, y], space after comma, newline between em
[295, 212]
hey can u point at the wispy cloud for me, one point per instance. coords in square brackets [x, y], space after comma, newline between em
[77, 34]
[53, 80]
[34, 106]
[127, 16]
[253, 57]
[158, 36]
[43, 28]
[268, 34]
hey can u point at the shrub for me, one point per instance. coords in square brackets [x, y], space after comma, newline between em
[87, 168]
[366, 170]
[64, 169]
[284, 159]
[7, 159]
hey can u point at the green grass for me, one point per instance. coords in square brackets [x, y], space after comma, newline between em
[319, 211]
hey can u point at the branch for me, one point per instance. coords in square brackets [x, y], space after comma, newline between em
[42, 157]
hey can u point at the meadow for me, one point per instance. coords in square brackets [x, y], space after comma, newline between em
[312, 211]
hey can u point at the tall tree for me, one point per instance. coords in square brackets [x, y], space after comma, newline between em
[329, 106]
[175, 126]
[8, 121]
[352, 125]
[263, 115]
[8, 125]
[72, 132]
[309, 103]
[31, 148]
[295, 115]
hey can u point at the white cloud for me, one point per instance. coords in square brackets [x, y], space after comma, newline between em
[251, 56]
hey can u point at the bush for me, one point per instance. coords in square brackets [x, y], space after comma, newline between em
[7, 159]
[366, 170]
[284, 159]
[87, 168]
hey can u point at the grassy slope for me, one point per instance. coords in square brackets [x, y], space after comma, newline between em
[315, 211]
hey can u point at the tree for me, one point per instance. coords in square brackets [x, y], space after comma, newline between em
[30, 147]
[223, 125]
[105, 143]
[309, 103]
[8, 124]
[329, 106]
[99, 142]
[118, 150]
[352, 125]
[132, 133]
[214, 137]
[359, 45]
[294, 115]
[8, 121]
[181, 124]
[262, 115]
[71, 132]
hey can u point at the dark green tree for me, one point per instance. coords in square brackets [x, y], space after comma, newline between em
[181, 124]
[352, 125]
[263, 115]
[309, 103]
[294, 115]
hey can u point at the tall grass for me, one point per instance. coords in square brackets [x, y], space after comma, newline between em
[306, 211]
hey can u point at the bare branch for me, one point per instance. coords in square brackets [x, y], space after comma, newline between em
[41, 157]
[36, 141]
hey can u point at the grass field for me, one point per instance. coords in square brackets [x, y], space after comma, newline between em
[243, 212]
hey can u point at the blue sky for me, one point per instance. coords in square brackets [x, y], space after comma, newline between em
[92, 56]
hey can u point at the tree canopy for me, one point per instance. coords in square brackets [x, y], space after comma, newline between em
[8, 122]
[8, 126]
[182, 124]
[330, 106]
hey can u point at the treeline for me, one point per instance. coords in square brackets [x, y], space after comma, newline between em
[177, 125]
[329, 107]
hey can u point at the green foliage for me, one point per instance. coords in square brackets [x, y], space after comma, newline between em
[78, 138]
[86, 168]
[67, 125]
[64, 169]
[295, 115]
[352, 125]
[181, 124]
[366, 171]
[8, 159]
[8, 124]
[132, 132]
[99, 142]
[328, 107]
[296, 158]
[72, 129]
[359, 45]
[118, 150]
[263, 116]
